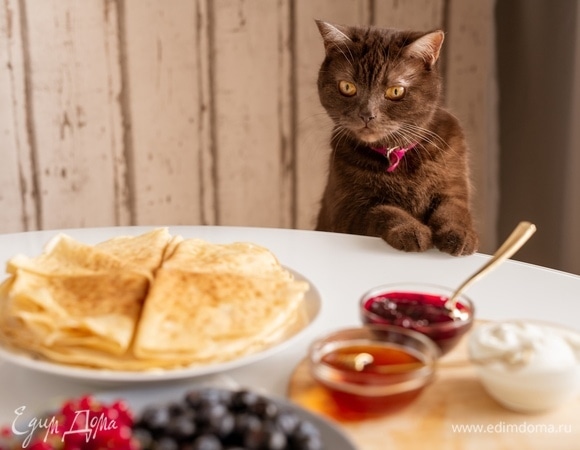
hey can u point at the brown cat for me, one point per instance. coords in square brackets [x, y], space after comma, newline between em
[398, 167]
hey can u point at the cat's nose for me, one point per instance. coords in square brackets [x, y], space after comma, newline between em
[366, 117]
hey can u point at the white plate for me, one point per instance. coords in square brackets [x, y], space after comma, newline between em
[138, 398]
[312, 304]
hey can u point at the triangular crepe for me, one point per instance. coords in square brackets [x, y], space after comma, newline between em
[213, 317]
[97, 311]
[244, 258]
[145, 251]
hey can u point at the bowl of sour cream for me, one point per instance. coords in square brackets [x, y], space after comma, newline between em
[527, 366]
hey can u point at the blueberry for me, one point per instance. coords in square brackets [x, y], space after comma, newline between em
[206, 442]
[155, 418]
[305, 431]
[165, 443]
[210, 413]
[265, 437]
[178, 409]
[224, 426]
[286, 421]
[253, 438]
[181, 428]
[309, 443]
[244, 422]
[143, 436]
[264, 408]
[274, 439]
[193, 399]
[243, 400]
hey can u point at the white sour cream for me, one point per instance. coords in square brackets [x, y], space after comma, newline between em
[527, 367]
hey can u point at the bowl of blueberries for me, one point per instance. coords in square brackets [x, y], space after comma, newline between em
[216, 418]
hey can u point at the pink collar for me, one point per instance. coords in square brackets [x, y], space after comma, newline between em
[394, 154]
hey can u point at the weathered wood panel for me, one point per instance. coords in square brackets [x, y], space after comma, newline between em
[472, 95]
[17, 182]
[410, 14]
[162, 89]
[206, 130]
[251, 80]
[313, 127]
[74, 111]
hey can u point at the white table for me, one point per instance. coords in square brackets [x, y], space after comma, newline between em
[342, 267]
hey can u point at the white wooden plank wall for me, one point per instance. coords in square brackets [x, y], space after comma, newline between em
[18, 191]
[252, 78]
[73, 111]
[151, 112]
[472, 95]
[165, 107]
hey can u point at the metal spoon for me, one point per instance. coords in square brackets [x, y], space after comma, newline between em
[359, 361]
[512, 244]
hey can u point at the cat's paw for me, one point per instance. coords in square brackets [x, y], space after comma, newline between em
[456, 240]
[409, 237]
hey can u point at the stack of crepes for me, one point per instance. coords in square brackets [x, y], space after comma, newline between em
[148, 302]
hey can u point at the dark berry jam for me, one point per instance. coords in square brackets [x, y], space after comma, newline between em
[406, 308]
[425, 313]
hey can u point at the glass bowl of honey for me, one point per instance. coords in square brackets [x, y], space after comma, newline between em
[419, 307]
[375, 369]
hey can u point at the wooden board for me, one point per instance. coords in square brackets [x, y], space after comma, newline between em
[439, 418]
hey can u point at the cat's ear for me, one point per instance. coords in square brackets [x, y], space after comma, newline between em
[332, 35]
[427, 47]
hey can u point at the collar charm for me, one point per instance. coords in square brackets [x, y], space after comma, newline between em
[394, 154]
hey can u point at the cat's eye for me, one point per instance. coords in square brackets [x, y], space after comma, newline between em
[347, 88]
[395, 92]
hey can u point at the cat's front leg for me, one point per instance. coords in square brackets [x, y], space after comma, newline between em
[453, 230]
[399, 229]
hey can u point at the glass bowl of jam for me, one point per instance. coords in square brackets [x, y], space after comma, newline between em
[373, 370]
[419, 307]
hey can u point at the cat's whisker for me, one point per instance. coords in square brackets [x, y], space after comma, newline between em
[351, 60]
[339, 135]
[421, 135]
[427, 135]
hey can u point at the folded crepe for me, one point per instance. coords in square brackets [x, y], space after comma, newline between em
[205, 317]
[145, 251]
[244, 258]
[78, 295]
[96, 311]
[64, 255]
